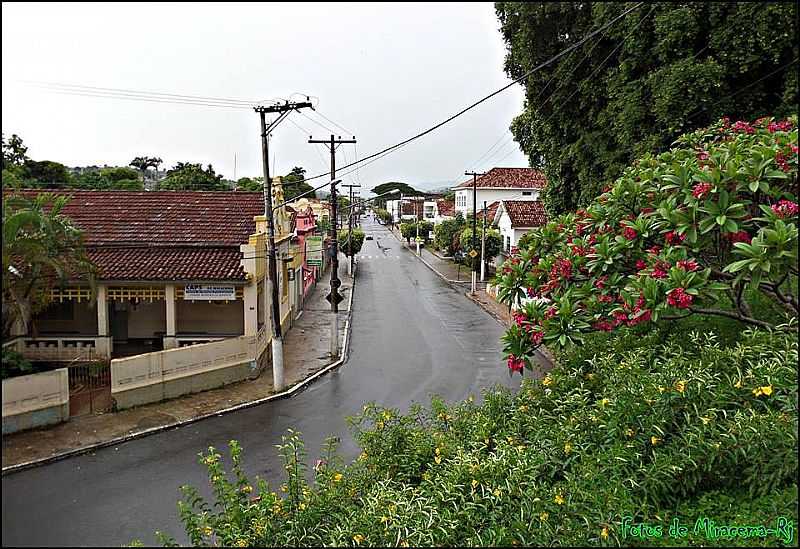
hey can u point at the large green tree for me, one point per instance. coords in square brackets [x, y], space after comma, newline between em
[664, 69]
[41, 247]
[185, 176]
[405, 189]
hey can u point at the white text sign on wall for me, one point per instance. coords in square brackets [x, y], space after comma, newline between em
[208, 292]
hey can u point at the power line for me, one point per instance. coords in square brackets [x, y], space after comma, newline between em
[348, 132]
[145, 100]
[486, 98]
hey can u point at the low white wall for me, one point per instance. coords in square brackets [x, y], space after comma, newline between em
[35, 400]
[153, 377]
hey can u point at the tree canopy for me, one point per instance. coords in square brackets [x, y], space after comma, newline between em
[185, 176]
[664, 69]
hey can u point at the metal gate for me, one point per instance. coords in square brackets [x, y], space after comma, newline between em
[89, 388]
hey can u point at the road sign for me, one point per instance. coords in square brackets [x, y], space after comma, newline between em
[473, 254]
[339, 298]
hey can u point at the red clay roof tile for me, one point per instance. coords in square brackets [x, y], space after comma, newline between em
[509, 178]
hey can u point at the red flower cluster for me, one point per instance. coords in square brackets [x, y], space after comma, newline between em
[551, 312]
[641, 264]
[562, 267]
[519, 318]
[600, 283]
[536, 336]
[688, 265]
[740, 236]
[603, 325]
[743, 127]
[679, 298]
[660, 269]
[702, 156]
[532, 293]
[780, 160]
[785, 208]
[782, 126]
[605, 299]
[674, 238]
[654, 250]
[629, 233]
[515, 364]
[701, 190]
[579, 250]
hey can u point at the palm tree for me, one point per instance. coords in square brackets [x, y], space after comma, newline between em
[41, 247]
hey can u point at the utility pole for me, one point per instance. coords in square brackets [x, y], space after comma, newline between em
[473, 252]
[350, 265]
[483, 245]
[271, 279]
[334, 297]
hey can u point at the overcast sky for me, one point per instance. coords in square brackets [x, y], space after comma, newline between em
[382, 71]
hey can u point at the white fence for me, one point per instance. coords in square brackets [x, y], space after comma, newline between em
[61, 349]
[23, 394]
[152, 368]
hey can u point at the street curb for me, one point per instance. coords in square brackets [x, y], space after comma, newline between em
[154, 430]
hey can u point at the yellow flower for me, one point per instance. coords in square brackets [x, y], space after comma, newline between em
[559, 499]
[358, 538]
[247, 489]
[474, 483]
[767, 390]
[604, 532]
[207, 531]
[437, 459]
[738, 384]
[547, 381]
[438, 451]
[363, 456]
[337, 477]
[544, 516]
[241, 543]
[680, 385]
[302, 506]
[705, 420]
[654, 440]
[567, 448]
[379, 425]
[661, 389]
[386, 414]
[384, 519]
[629, 432]
[404, 543]
[284, 488]
[497, 492]
[604, 402]
[523, 408]
[589, 376]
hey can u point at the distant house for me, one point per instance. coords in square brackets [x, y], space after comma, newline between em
[440, 210]
[514, 218]
[500, 184]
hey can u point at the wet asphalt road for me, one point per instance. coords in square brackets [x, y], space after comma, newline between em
[413, 336]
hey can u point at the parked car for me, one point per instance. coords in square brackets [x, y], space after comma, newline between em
[368, 237]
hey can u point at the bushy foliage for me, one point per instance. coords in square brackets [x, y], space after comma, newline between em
[185, 176]
[14, 364]
[641, 425]
[383, 216]
[710, 222]
[664, 69]
[350, 244]
[408, 230]
[446, 234]
[494, 244]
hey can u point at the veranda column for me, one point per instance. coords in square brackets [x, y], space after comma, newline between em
[104, 344]
[170, 342]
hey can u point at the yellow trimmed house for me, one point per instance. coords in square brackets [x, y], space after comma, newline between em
[182, 300]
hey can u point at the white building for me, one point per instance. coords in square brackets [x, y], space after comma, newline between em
[500, 184]
[514, 218]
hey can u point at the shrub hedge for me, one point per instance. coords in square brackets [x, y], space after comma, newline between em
[649, 424]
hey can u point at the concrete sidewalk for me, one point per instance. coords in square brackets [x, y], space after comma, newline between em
[306, 352]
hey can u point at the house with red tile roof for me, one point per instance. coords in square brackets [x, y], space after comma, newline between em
[499, 184]
[514, 218]
[175, 268]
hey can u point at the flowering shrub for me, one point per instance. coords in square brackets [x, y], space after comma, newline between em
[702, 228]
[648, 426]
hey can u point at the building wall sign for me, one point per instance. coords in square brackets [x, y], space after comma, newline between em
[314, 251]
[209, 292]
